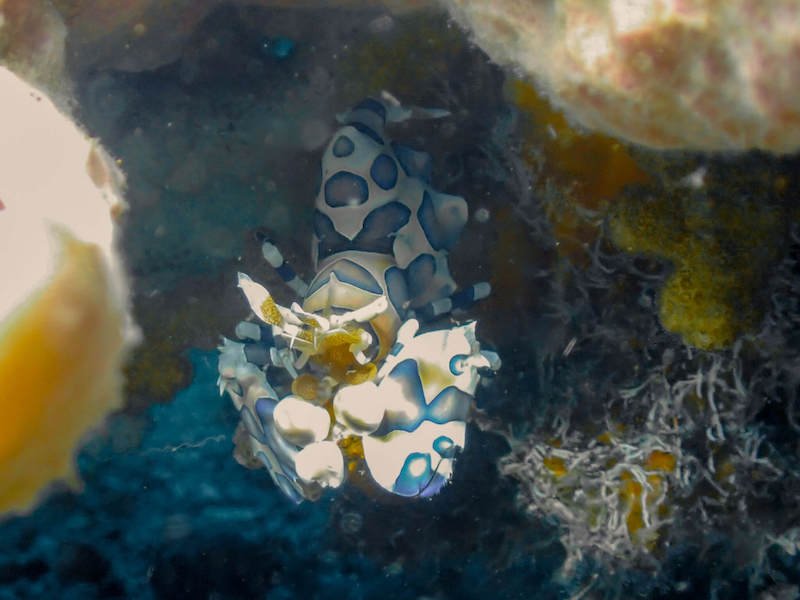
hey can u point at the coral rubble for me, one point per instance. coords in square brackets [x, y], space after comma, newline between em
[640, 446]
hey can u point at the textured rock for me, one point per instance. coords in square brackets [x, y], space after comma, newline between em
[695, 74]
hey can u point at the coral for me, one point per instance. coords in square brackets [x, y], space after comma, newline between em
[684, 448]
[64, 327]
[613, 496]
[639, 445]
[721, 250]
[702, 74]
[581, 173]
[59, 375]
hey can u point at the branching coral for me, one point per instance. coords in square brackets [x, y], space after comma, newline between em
[610, 495]
[638, 445]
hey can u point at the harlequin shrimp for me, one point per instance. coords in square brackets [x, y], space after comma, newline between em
[377, 390]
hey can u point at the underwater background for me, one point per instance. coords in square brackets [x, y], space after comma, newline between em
[640, 439]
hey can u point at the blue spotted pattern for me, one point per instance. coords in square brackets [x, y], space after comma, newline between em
[397, 289]
[346, 189]
[380, 229]
[367, 131]
[418, 478]
[451, 404]
[276, 454]
[375, 236]
[373, 105]
[415, 163]
[438, 236]
[347, 272]
[419, 273]
[343, 146]
[445, 446]
[384, 172]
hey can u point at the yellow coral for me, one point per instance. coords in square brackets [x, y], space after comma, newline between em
[589, 169]
[59, 374]
[556, 466]
[658, 460]
[630, 492]
[635, 499]
[63, 320]
[720, 251]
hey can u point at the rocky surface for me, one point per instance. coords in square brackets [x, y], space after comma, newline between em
[690, 74]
